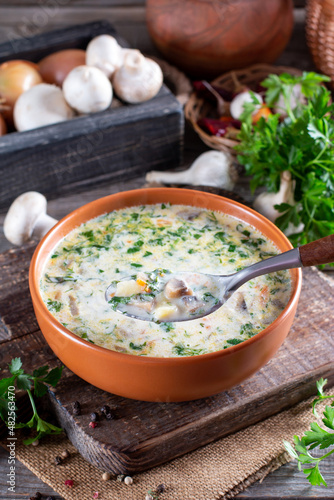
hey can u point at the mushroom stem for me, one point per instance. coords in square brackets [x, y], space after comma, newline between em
[42, 225]
[265, 202]
[212, 168]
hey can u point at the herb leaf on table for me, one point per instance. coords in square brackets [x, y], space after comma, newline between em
[302, 143]
[38, 383]
[316, 437]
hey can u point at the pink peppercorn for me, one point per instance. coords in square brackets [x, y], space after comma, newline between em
[96, 494]
[92, 425]
[69, 483]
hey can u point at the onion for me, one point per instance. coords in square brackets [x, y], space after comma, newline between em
[3, 126]
[15, 78]
[55, 67]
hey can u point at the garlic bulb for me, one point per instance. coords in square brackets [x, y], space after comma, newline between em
[212, 168]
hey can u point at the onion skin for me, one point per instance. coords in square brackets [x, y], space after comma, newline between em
[16, 77]
[55, 67]
[3, 126]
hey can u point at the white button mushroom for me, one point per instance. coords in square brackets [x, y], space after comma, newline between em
[27, 218]
[265, 202]
[87, 89]
[212, 168]
[237, 104]
[104, 53]
[43, 104]
[139, 79]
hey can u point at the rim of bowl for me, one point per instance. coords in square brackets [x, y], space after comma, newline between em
[58, 229]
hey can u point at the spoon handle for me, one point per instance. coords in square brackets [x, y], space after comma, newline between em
[318, 252]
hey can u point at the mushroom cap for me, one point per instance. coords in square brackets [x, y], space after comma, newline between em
[104, 53]
[139, 79]
[87, 89]
[43, 104]
[22, 215]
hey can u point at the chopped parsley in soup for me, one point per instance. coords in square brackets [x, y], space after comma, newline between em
[133, 245]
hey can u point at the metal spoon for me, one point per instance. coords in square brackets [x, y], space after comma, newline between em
[222, 287]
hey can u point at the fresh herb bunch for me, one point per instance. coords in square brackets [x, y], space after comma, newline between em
[38, 382]
[302, 143]
[317, 437]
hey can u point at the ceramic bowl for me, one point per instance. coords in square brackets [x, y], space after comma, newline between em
[161, 379]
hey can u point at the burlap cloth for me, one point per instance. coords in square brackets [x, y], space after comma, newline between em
[219, 470]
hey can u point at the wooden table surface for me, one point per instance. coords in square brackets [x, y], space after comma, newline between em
[28, 17]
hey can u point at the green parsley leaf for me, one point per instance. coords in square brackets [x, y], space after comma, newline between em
[316, 437]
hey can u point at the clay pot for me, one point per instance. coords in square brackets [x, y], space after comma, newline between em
[208, 37]
[161, 379]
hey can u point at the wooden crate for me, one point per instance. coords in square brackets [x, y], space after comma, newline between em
[88, 150]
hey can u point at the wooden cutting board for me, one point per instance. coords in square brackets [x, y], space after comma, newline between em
[143, 434]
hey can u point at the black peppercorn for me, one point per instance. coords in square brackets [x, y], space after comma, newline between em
[76, 408]
[160, 489]
[58, 460]
[38, 495]
[105, 409]
[94, 417]
[109, 415]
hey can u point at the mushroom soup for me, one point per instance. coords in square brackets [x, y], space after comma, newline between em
[136, 244]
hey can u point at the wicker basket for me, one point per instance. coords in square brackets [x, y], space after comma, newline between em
[197, 108]
[320, 35]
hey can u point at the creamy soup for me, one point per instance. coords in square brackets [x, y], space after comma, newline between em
[132, 245]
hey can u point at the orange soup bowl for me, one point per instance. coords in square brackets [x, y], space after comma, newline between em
[161, 379]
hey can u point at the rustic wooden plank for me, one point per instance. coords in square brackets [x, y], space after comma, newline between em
[167, 430]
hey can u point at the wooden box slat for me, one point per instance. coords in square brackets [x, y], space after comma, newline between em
[146, 434]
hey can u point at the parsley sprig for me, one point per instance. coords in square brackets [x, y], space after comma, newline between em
[302, 143]
[38, 381]
[317, 437]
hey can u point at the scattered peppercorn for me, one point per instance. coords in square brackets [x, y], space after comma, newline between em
[92, 425]
[160, 489]
[38, 495]
[65, 454]
[128, 480]
[106, 476]
[69, 483]
[96, 494]
[76, 408]
[105, 409]
[94, 417]
[120, 477]
[109, 415]
[58, 460]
